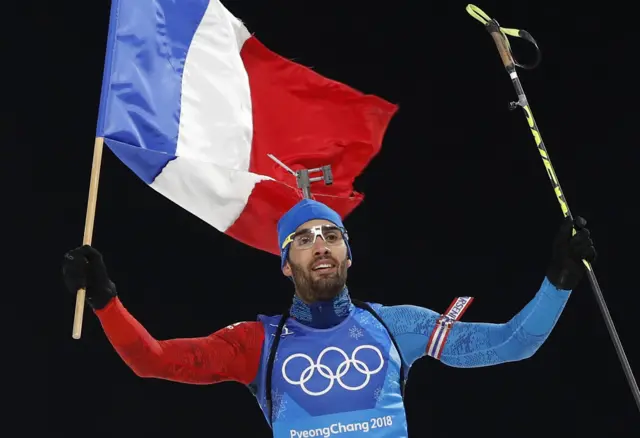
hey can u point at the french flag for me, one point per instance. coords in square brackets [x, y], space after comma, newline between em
[194, 104]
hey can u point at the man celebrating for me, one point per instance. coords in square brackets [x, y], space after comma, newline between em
[331, 365]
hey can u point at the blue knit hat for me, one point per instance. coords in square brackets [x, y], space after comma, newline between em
[302, 212]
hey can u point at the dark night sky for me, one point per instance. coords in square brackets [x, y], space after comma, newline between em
[458, 202]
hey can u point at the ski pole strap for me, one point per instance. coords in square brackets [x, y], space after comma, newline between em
[500, 37]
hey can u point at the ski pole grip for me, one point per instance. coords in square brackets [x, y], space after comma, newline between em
[501, 44]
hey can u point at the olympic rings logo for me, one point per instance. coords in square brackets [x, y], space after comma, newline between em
[327, 373]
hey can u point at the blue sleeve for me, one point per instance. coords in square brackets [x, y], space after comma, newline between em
[478, 344]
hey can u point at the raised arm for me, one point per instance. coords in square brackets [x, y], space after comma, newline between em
[229, 354]
[477, 344]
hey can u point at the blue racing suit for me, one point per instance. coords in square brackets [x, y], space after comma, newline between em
[336, 370]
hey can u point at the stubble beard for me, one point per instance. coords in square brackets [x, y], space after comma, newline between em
[320, 288]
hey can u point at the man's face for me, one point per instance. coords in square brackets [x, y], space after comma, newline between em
[319, 272]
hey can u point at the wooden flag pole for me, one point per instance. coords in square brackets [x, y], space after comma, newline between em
[88, 228]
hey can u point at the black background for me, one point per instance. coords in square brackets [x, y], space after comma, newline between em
[457, 202]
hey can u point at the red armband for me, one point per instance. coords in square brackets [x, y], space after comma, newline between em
[440, 332]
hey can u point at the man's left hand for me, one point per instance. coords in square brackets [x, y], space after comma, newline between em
[569, 250]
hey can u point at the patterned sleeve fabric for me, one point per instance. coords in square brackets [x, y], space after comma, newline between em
[477, 344]
[230, 354]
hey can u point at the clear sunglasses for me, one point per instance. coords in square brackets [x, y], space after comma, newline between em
[305, 238]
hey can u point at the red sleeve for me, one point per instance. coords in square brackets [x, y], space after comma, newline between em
[230, 354]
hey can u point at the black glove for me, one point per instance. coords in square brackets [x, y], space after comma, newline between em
[83, 267]
[566, 268]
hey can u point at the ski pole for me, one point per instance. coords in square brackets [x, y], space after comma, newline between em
[500, 37]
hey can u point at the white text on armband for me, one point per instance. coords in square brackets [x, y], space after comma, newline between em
[440, 332]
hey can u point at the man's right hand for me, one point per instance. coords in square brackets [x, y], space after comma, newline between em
[83, 267]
